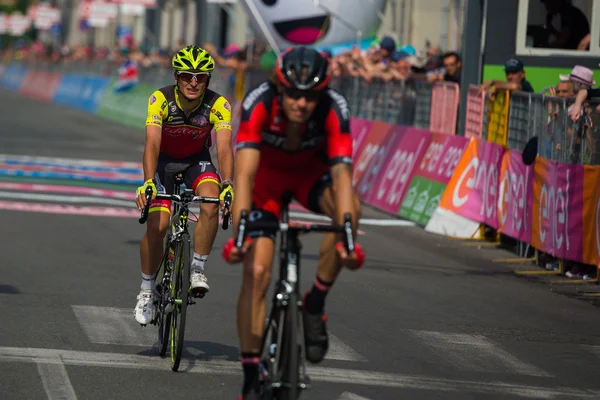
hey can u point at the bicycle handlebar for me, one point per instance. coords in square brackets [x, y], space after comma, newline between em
[187, 199]
[245, 226]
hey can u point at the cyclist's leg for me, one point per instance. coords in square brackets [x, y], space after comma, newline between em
[319, 197]
[202, 177]
[151, 245]
[258, 263]
[251, 310]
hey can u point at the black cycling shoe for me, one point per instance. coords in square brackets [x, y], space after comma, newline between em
[315, 336]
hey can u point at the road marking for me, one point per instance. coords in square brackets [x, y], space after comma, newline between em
[110, 325]
[319, 374]
[81, 190]
[476, 353]
[8, 158]
[69, 210]
[74, 176]
[66, 199]
[55, 380]
[363, 221]
[339, 350]
[351, 396]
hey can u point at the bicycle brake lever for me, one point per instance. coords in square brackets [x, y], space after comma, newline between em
[241, 236]
[144, 214]
[348, 239]
[226, 215]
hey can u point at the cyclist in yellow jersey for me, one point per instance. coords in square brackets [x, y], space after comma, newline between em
[178, 139]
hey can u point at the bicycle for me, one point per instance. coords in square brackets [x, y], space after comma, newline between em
[282, 367]
[173, 300]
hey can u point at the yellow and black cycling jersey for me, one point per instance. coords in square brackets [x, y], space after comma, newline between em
[186, 135]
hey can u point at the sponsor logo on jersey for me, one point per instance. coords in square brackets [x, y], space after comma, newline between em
[152, 99]
[341, 103]
[199, 120]
[254, 95]
[227, 106]
[218, 114]
[156, 117]
[173, 106]
[185, 130]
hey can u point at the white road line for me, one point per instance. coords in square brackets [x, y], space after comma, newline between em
[339, 350]
[476, 353]
[351, 396]
[131, 204]
[363, 221]
[320, 374]
[110, 325]
[66, 199]
[56, 381]
[71, 161]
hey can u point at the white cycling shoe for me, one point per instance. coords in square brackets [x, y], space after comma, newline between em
[198, 282]
[144, 309]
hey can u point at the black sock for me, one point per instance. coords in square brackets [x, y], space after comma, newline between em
[315, 299]
[250, 365]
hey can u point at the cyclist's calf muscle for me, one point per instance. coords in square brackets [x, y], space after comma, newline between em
[258, 265]
[152, 242]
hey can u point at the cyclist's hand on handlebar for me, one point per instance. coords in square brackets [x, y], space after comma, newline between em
[227, 189]
[352, 261]
[140, 199]
[232, 254]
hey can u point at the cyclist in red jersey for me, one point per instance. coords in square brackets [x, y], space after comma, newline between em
[294, 135]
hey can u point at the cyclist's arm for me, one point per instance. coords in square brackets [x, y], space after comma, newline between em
[247, 158]
[339, 147]
[221, 119]
[157, 106]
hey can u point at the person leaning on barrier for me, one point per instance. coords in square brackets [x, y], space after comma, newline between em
[515, 78]
[584, 77]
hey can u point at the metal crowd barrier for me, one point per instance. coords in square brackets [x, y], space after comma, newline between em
[515, 117]
[413, 102]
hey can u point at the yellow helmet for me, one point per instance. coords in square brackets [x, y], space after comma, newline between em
[193, 58]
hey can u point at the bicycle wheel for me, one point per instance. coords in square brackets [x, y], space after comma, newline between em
[290, 354]
[164, 307]
[181, 284]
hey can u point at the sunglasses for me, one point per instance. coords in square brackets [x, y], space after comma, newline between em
[188, 77]
[297, 94]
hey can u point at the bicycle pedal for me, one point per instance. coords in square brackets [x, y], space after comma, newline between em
[198, 294]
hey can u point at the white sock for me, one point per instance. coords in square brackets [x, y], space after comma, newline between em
[198, 262]
[148, 282]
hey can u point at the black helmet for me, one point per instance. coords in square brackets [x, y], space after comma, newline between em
[293, 62]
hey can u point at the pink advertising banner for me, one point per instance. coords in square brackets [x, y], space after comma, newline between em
[378, 134]
[397, 172]
[442, 156]
[360, 129]
[557, 209]
[515, 197]
[366, 186]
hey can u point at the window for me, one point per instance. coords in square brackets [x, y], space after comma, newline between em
[538, 36]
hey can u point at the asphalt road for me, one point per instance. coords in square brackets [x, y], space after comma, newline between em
[426, 318]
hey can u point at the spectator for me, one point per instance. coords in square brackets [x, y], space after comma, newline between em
[515, 78]
[399, 67]
[452, 69]
[583, 79]
[574, 25]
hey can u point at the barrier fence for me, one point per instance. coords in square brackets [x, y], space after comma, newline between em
[408, 159]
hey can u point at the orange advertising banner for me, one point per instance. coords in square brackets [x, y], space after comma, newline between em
[591, 215]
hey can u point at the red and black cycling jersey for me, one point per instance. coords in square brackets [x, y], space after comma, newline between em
[326, 135]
